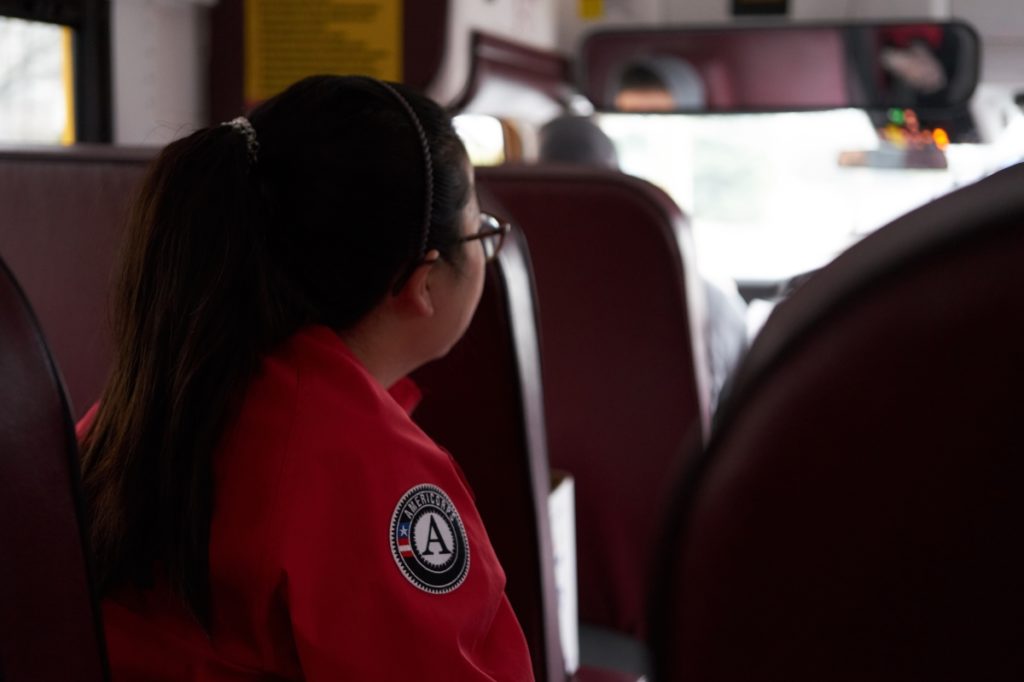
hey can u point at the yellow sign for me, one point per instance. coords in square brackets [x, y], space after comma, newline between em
[286, 40]
[591, 9]
[67, 75]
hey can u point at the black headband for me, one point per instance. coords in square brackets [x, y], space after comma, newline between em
[428, 166]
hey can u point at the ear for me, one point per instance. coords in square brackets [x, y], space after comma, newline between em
[415, 295]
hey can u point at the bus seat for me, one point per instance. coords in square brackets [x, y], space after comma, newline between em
[483, 403]
[63, 213]
[619, 305]
[50, 627]
[857, 512]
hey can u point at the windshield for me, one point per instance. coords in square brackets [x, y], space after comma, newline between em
[766, 193]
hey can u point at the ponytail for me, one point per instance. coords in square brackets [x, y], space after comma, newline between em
[192, 294]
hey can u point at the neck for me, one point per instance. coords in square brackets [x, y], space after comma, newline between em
[378, 351]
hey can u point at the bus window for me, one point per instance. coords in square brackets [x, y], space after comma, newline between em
[36, 83]
[773, 195]
[484, 137]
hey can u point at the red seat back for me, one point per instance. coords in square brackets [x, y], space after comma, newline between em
[483, 403]
[857, 513]
[619, 305]
[49, 619]
[63, 214]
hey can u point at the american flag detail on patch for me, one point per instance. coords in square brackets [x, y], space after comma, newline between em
[404, 546]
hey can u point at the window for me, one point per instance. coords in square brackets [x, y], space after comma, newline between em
[55, 71]
[36, 82]
[483, 137]
[767, 195]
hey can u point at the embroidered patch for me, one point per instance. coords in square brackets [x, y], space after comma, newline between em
[429, 541]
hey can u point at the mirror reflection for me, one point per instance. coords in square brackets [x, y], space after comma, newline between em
[921, 65]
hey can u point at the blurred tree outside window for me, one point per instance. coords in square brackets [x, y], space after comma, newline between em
[36, 83]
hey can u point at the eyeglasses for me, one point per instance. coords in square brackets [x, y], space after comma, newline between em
[491, 234]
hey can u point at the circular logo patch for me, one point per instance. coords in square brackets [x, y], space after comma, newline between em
[428, 540]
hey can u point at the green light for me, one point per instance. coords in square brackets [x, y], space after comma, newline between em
[897, 117]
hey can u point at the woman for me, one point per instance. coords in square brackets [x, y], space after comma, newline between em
[261, 505]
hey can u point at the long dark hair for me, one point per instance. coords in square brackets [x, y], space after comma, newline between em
[226, 256]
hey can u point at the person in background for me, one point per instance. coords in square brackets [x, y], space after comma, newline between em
[659, 83]
[260, 504]
[578, 140]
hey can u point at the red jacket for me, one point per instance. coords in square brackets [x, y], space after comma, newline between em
[344, 545]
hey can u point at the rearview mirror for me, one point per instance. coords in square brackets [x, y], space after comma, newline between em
[920, 65]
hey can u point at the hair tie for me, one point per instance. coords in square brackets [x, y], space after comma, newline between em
[242, 125]
[428, 164]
